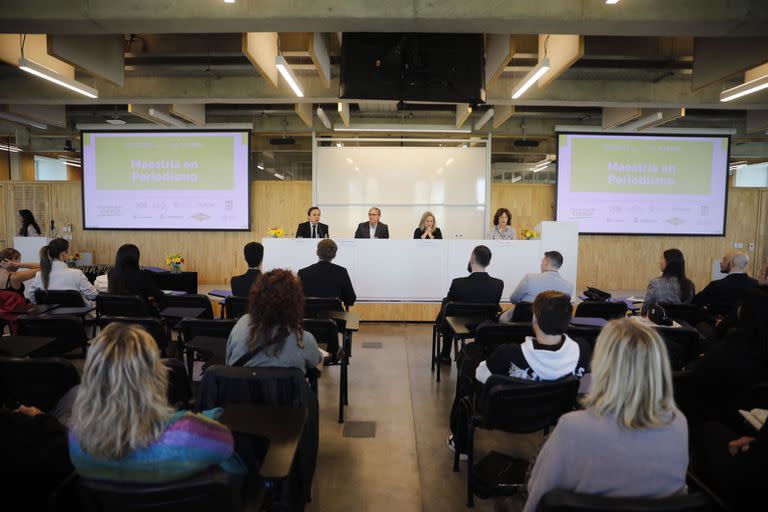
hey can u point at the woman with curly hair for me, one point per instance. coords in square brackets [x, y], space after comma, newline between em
[270, 334]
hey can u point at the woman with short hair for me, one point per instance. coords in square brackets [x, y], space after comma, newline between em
[428, 229]
[122, 425]
[630, 439]
[502, 230]
[270, 334]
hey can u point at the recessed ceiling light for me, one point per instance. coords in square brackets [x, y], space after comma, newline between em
[115, 121]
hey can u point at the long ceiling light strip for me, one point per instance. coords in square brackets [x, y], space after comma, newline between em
[23, 120]
[166, 118]
[11, 148]
[531, 78]
[52, 76]
[285, 70]
[758, 84]
[410, 128]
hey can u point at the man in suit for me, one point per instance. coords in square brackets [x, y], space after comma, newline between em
[721, 297]
[326, 279]
[313, 228]
[373, 228]
[241, 285]
[477, 287]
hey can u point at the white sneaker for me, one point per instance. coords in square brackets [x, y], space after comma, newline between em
[452, 447]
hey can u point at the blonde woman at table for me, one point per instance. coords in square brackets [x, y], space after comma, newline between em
[502, 230]
[428, 229]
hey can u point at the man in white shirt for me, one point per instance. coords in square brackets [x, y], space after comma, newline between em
[533, 284]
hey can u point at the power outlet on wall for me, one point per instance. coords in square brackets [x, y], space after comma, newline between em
[752, 246]
[738, 245]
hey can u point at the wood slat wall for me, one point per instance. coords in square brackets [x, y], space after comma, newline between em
[604, 261]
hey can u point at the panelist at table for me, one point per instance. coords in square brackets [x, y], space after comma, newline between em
[313, 228]
[428, 229]
[373, 228]
[502, 230]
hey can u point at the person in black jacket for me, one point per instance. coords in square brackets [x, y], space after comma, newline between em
[126, 278]
[254, 254]
[428, 229]
[720, 297]
[477, 287]
[326, 279]
[373, 228]
[313, 228]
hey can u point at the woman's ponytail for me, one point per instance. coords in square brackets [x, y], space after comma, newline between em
[51, 252]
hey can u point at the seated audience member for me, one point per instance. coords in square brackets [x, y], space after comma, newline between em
[326, 279]
[126, 278]
[477, 287]
[428, 229]
[54, 274]
[630, 439]
[373, 228]
[270, 334]
[313, 228]
[502, 230]
[533, 284]
[254, 254]
[550, 355]
[672, 286]
[122, 425]
[12, 276]
[720, 297]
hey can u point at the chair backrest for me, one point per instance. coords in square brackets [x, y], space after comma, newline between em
[235, 307]
[69, 332]
[216, 328]
[569, 501]
[64, 298]
[484, 310]
[523, 312]
[690, 313]
[191, 301]
[523, 406]
[181, 281]
[151, 324]
[596, 309]
[324, 330]
[491, 335]
[121, 305]
[38, 382]
[210, 490]
[315, 306]
[179, 387]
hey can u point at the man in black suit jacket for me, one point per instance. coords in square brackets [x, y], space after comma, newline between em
[254, 254]
[326, 279]
[478, 286]
[313, 228]
[373, 226]
[721, 297]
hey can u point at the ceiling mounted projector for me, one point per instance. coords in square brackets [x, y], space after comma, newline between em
[282, 141]
[525, 143]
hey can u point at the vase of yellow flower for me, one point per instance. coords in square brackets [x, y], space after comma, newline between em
[528, 234]
[276, 232]
[73, 258]
[174, 261]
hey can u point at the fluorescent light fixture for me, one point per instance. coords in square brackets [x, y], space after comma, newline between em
[115, 121]
[22, 120]
[282, 67]
[52, 76]
[539, 169]
[166, 118]
[486, 117]
[531, 78]
[73, 164]
[11, 148]
[339, 145]
[543, 162]
[737, 165]
[758, 84]
[233, 1]
[611, 2]
[516, 179]
[323, 117]
[279, 176]
[260, 166]
[644, 122]
[340, 107]
[409, 128]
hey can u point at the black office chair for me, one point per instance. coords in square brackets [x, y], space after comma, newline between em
[683, 343]
[325, 332]
[179, 387]
[491, 335]
[64, 298]
[690, 313]
[235, 307]
[35, 382]
[316, 306]
[516, 406]
[68, 331]
[215, 328]
[213, 489]
[121, 305]
[523, 312]
[151, 324]
[568, 501]
[191, 301]
[599, 309]
[480, 312]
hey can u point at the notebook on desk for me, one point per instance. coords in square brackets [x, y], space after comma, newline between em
[220, 293]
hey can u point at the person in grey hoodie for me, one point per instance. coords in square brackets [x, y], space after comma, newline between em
[630, 439]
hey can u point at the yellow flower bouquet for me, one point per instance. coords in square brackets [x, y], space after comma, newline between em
[174, 261]
[276, 232]
[528, 234]
[73, 257]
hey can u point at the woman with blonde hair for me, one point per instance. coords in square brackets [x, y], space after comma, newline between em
[122, 426]
[630, 439]
[428, 229]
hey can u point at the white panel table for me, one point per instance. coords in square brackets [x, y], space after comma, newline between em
[414, 271]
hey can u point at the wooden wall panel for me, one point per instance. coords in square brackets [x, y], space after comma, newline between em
[5, 165]
[27, 167]
[529, 204]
